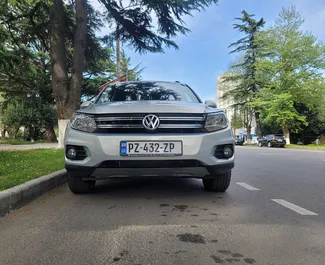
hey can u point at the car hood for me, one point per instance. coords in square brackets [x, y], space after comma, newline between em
[147, 107]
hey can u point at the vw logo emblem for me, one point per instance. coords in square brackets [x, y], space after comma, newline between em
[151, 122]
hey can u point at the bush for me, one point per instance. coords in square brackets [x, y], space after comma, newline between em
[322, 139]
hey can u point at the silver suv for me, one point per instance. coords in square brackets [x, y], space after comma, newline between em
[148, 129]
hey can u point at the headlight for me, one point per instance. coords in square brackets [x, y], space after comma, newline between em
[215, 122]
[83, 122]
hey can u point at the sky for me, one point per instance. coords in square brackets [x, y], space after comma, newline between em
[203, 53]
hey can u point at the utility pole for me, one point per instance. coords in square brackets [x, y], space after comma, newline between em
[118, 55]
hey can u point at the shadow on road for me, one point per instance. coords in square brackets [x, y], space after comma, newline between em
[146, 188]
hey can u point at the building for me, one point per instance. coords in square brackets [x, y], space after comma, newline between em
[222, 87]
[227, 104]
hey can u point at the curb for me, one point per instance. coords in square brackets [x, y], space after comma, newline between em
[16, 197]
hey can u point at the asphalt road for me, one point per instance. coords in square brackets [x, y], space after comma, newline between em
[273, 213]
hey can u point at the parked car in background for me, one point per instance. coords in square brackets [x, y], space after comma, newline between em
[272, 140]
[239, 141]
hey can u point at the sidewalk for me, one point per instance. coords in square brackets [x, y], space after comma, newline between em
[7, 147]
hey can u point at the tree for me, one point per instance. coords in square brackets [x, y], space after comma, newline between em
[31, 114]
[316, 125]
[134, 26]
[247, 83]
[236, 121]
[133, 73]
[93, 82]
[238, 96]
[290, 67]
[25, 49]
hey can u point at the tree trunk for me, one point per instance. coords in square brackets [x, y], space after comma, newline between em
[50, 135]
[67, 96]
[60, 82]
[286, 133]
[249, 134]
[258, 125]
[80, 38]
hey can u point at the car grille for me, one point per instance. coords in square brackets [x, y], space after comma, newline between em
[132, 123]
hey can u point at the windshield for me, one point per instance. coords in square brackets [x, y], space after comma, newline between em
[147, 91]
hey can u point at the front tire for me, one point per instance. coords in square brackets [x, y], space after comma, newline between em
[79, 186]
[269, 144]
[220, 183]
[260, 144]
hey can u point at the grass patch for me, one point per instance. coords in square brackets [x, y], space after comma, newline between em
[17, 167]
[309, 146]
[18, 142]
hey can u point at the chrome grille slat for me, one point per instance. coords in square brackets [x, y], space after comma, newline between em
[182, 126]
[132, 123]
[118, 119]
[139, 126]
[162, 118]
[180, 118]
[107, 126]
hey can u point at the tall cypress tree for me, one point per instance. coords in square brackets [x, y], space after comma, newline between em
[246, 80]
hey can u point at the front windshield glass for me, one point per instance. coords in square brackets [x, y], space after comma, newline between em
[147, 91]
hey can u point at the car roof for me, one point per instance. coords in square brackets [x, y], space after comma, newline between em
[150, 81]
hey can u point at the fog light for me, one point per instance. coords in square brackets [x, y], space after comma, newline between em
[228, 151]
[71, 153]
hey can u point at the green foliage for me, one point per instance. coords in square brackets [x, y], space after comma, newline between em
[134, 73]
[280, 109]
[250, 46]
[290, 67]
[244, 73]
[12, 119]
[135, 21]
[237, 121]
[25, 63]
[31, 114]
[280, 75]
[91, 84]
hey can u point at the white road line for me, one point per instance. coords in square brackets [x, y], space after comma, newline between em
[246, 186]
[265, 154]
[294, 207]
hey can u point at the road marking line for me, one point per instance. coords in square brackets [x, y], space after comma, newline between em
[294, 207]
[265, 154]
[246, 186]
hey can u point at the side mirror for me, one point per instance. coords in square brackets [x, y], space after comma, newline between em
[210, 104]
[85, 104]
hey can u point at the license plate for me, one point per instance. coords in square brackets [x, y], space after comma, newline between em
[151, 148]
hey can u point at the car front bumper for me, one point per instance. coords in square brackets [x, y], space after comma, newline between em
[103, 157]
